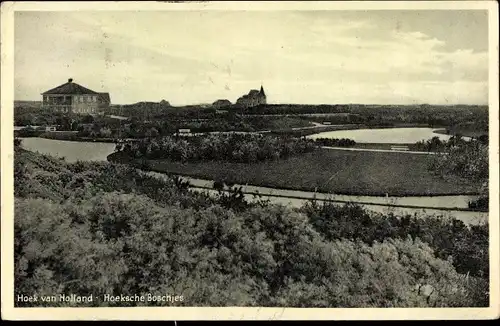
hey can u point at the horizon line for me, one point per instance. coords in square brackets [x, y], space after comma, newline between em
[284, 103]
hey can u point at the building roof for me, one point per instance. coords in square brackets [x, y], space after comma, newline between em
[104, 97]
[71, 88]
[222, 103]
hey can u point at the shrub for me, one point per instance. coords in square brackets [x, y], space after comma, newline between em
[466, 247]
[100, 228]
[245, 148]
[343, 142]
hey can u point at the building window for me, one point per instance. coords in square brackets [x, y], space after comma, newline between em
[81, 99]
[94, 98]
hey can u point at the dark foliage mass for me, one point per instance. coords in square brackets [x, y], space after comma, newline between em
[95, 228]
[335, 142]
[466, 247]
[468, 160]
[246, 148]
[166, 119]
[435, 144]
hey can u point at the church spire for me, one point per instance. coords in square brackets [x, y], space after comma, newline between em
[262, 90]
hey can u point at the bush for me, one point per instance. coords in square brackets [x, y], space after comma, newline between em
[343, 142]
[95, 228]
[466, 247]
[125, 243]
[244, 148]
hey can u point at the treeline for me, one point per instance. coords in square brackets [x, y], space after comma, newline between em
[136, 128]
[29, 116]
[228, 122]
[455, 118]
[468, 160]
[100, 228]
[433, 115]
[151, 110]
[246, 148]
[294, 109]
[335, 142]
[63, 121]
[435, 144]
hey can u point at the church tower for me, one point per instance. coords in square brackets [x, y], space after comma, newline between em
[262, 96]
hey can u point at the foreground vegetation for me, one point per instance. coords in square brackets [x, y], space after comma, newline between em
[96, 228]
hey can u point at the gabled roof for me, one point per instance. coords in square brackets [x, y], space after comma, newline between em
[70, 88]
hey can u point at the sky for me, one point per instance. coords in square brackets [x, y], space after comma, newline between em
[308, 57]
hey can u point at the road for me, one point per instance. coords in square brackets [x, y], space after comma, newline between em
[447, 206]
[378, 150]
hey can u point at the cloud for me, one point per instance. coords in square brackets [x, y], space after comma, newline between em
[190, 57]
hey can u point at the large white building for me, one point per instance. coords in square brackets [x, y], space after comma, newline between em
[71, 97]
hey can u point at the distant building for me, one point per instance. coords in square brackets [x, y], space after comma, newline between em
[73, 98]
[221, 103]
[253, 98]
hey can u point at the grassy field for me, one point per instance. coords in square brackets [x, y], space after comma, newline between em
[332, 171]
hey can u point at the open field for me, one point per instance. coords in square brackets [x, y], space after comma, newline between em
[330, 171]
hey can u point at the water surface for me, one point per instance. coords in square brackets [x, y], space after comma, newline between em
[72, 151]
[385, 136]
[94, 151]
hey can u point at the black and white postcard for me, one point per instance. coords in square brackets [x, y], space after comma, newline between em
[250, 160]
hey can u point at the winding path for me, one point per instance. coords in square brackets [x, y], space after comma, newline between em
[447, 206]
[378, 150]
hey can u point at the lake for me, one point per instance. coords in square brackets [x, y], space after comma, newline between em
[384, 136]
[72, 151]
[90, 151]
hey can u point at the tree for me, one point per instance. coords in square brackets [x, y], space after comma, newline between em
[467, 160]
[88, 119]
[105, 132]
[151, 132]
